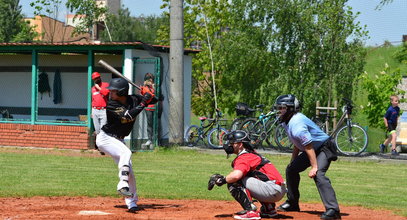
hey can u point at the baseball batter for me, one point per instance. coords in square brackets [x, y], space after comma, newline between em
[122, 110]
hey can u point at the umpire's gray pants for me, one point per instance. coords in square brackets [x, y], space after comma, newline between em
[264, 191]
[326, 192]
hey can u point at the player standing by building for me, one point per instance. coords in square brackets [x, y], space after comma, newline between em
[122, 110]
[100, 95]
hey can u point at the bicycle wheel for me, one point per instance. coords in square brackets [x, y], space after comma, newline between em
[270, 129]
[192, 136]
[351, 141]
[255, 132]
[215, 137]
[282, 140]
[247, 124]
[236, 124]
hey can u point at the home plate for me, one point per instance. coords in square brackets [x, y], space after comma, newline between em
[93, 213]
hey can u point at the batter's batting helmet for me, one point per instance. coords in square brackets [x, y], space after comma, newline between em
[119, 84]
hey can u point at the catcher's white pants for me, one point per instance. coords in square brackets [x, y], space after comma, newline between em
[121, 154]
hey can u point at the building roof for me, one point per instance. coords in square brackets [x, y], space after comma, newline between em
[105, 47]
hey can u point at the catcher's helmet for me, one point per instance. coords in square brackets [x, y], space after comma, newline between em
[119, 84]
[237, 136]
[289, 101]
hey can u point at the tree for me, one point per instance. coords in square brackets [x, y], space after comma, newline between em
[383, 3]
[93, 14]
[13, 28]
[263, 49]
[123, 27]
[379, 90]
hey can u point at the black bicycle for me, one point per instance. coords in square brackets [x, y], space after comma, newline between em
[210, 129]
[350, 138]
[243, 112]
[267, 128]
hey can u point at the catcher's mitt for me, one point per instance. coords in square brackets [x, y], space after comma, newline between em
[217, 179]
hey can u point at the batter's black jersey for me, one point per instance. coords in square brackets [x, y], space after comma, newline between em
[121, 118]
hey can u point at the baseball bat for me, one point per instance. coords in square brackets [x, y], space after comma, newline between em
[117, 73]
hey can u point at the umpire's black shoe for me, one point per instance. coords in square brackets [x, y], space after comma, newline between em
[331, 214]
[287, 207]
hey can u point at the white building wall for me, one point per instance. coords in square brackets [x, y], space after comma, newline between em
[15, 87]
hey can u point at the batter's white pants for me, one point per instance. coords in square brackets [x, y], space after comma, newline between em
[99, 119]
[121, 154]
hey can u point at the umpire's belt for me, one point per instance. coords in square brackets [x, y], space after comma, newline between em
[115, 135]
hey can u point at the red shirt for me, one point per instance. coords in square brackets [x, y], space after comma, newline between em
[150, 107]
[248, 162]
[99, 98]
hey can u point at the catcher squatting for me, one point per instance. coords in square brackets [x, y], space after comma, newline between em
[254, 176]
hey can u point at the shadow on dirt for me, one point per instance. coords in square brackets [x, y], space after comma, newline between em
[150, 206]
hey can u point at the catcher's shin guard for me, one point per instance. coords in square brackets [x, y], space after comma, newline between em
[242, 196]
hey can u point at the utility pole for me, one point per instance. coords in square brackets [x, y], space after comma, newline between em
[176, 96]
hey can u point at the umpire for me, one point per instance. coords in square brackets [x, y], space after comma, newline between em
[252, 175]
[317, 151]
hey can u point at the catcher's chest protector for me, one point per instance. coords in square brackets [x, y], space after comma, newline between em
[256, 173]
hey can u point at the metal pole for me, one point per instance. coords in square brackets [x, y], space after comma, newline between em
[34, 86]
[176, 82]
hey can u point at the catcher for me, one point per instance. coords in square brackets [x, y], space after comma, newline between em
[253, 176]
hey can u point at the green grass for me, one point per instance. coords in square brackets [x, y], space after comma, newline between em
[183, 174]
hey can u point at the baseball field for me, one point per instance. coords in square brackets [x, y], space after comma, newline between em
[172, 184]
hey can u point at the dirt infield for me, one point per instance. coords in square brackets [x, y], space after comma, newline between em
[113, 208]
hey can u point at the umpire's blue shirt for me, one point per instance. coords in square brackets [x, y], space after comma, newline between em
[303, 131]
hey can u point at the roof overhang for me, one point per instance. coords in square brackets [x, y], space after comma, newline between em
[106, 47]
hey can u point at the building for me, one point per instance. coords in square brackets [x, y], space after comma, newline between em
[53, 31]
[34, 119]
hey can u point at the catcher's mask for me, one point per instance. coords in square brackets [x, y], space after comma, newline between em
[237, 136]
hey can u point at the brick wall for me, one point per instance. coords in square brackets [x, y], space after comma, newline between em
[49, 136]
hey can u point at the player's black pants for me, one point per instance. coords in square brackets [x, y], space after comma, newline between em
[322, 182]
[150, 122]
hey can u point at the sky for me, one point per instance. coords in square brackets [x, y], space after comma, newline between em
[389, 23]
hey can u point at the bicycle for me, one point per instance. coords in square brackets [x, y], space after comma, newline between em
[212, 131]
[260, 129]
[243, 112]
[350, 138]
